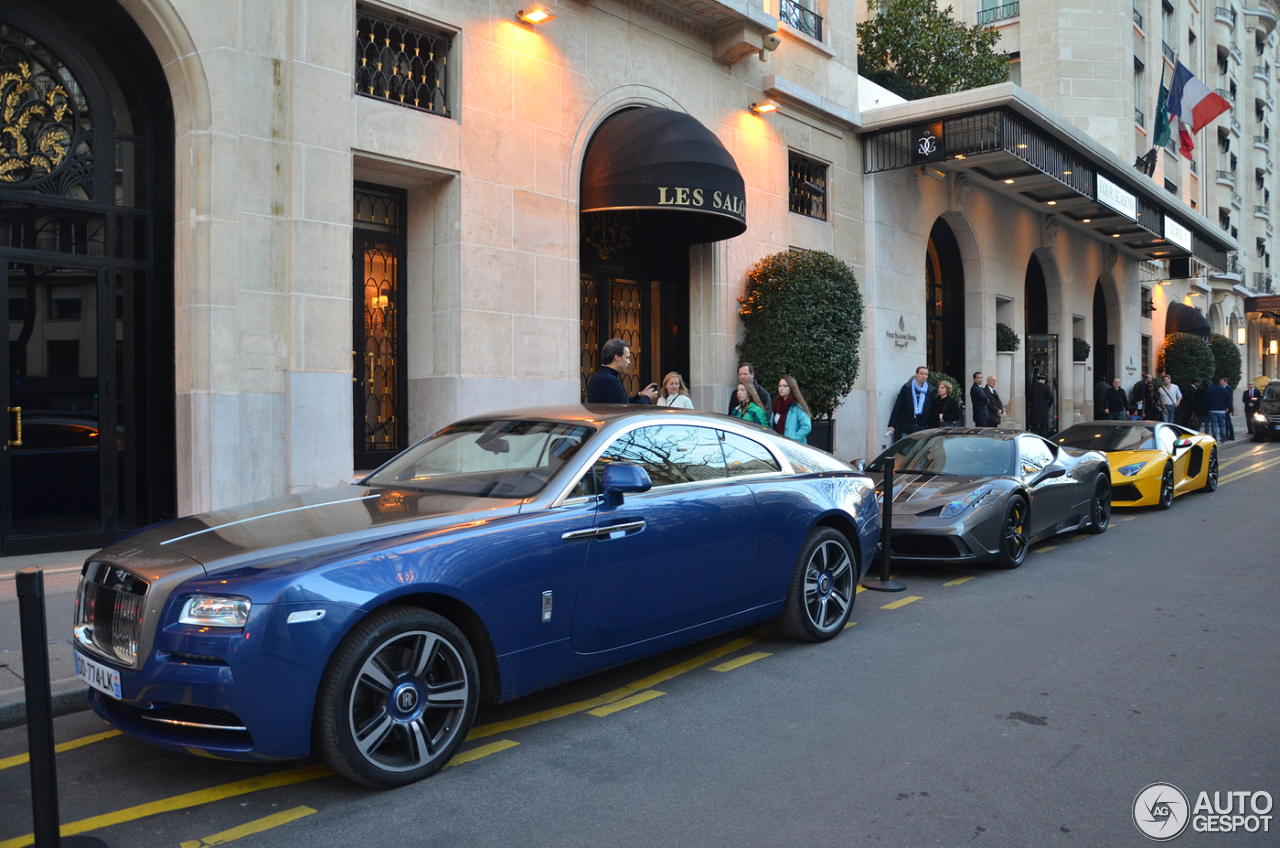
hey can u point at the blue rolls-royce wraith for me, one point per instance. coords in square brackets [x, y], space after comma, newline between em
[502, 555]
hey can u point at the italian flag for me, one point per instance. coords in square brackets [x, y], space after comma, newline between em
[1191, 105]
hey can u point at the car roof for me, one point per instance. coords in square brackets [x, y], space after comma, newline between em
[596, 413]
[972, 431]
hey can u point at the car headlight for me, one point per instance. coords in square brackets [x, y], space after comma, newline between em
[215, 611]
[1130, 470]
[1258, 416]
[956, 507]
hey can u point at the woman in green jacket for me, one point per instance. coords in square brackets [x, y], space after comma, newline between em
[749, 408]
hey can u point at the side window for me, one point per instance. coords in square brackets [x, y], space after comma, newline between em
[745, 456]
[1034, 456]
[1165, 437]
[671, 454]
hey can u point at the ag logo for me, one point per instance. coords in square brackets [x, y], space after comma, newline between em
[928, 145]
[902, 325]
[1160, 811]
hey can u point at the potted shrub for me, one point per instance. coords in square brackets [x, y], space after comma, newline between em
[1226, 359]
[1186, 357]
[1079, 356]
[802, 314]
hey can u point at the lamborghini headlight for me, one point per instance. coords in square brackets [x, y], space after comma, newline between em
[1130, 470]
[956, 507]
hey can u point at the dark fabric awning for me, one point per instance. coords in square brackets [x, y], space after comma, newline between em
[1183, 319]
[670, 169]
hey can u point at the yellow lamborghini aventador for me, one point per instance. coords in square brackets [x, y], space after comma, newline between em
[1151, 462]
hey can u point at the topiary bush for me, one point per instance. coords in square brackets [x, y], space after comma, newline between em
[802, 311]
[1006, 339]
[1226, 359]
[1186, 357]
[1080, 350]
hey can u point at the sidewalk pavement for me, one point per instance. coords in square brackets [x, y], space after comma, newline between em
[69, 694]
[62, 573]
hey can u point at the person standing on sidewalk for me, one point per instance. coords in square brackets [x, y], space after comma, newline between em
[1217, 399]
[1115, 403]
[913, 409]
[747, 376]
[1251, 399]
[605, 386]
[995, 407]
[1170, 397]
[979, 398]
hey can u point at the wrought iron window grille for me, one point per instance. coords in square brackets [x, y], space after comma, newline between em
[808, 179]
[800, 17]
[1167, 52]
[1139, 118]
[398, 63]
[999, 13]
[1137, 17]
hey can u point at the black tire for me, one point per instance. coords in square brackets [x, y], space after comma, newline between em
[1211, 479]
[1013, 534]
[823, 587]
[385, 736]
[1166, 487]
[1100, 506]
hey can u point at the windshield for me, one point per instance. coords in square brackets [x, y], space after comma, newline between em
[502, 458]
[1102, 437]
[960, 454]
[1271, 392]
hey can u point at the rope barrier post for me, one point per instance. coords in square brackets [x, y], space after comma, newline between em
[886, 583]
[39, 701]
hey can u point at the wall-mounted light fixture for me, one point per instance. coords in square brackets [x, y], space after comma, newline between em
[1165, 282]
[1275, 347]
[1242, 335]
[536, 14]
[764, 107]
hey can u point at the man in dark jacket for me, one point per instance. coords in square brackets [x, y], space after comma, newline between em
[1251, 398]
[1190, 404]
[912, 409]
[747, 374]
[995, 406]
[1099, 398]
[979, 400]
[1147, 401]
[605, 386]
[1217, 399]
[1115, 403]
[1039, 402]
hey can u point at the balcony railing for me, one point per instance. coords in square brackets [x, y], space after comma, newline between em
[1193, 167]
[1261, 141]
[1261, 281]
[1261, 72]
[1225, 177]
[1226, 94]
[1167, 51]
[1137, 17]
[1236, 54]
[999, 13]
[1262, 212]
[1268, 164]
[1227, 16]
[1271, 104]
[806, 20]
[1235, 126]
[1236, 200]
[1139, 118]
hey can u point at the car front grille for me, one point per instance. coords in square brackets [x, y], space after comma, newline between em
[109, 608]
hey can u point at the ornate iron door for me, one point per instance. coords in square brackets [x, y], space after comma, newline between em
[1042, 358]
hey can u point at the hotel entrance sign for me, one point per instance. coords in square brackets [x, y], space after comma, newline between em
[1111, 195]
[1177, 234]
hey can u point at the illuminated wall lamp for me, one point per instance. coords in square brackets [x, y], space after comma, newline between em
[764, 107]
[1275, 347]
[536, 14]
[1242, 335]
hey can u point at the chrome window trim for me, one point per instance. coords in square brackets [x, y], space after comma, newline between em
[611, 435]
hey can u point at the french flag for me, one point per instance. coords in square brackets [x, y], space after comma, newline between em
[1191, 105]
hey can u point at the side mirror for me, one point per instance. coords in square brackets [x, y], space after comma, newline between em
[624, 478]
[1184, 442]
[859, 465]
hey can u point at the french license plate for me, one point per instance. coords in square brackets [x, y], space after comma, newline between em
[98, 676]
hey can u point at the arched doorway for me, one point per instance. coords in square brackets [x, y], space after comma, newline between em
[944, 303]
[1041, 346]
[1104, 353]
[86, 247]
[654, 182]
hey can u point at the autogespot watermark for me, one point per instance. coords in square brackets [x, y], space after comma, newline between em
[1162, 812]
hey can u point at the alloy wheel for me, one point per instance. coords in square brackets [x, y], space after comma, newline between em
[828, 585]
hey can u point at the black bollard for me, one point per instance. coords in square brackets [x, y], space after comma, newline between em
[35, 672]
[885, 584]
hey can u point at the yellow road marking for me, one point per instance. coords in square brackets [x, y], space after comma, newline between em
[1045, 549]
[959, 580]
[20, 759]
[1128, 518]
[740, 661]
[850, 624]
[182, 802]
[1245, 472]
[618, 694]
[626, 703]
[480, 752]
[902, 603]
[249, 829]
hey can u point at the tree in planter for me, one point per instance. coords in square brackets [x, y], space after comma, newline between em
[802, 312]
[917, 50]
[1186, 357]
[1080, 350]
[1007, 340]
[1226, 359]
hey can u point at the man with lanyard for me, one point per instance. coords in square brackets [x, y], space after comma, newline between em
[1171, 397]
[912, 408]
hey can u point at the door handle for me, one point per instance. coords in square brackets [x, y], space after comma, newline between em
[609, 531]
[17, 443]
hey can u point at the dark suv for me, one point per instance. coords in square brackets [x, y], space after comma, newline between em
[1266, 421]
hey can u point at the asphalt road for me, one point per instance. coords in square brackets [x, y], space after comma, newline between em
[982, 707]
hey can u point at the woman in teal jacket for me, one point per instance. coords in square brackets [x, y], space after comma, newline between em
[791, 416]
[749, 408]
